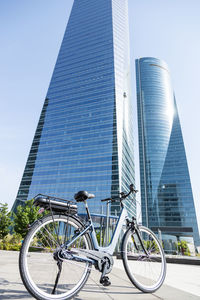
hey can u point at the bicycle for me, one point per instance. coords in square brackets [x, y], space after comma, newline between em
[59, 250]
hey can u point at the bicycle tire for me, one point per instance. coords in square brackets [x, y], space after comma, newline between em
[36, 260]
[146, 271]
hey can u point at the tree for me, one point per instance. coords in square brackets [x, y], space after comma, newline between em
[25, 216]
[5, 220]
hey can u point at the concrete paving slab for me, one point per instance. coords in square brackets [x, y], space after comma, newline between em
[182, 277]
[11, 286]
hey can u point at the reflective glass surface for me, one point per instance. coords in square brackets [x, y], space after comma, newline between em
[82, 132]
[167, 200]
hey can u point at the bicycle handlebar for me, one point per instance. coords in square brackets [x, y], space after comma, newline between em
[107, 199]
[122, 195]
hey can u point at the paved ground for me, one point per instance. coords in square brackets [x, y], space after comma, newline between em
[182, 283]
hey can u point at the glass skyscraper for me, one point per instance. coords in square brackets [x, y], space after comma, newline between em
[166, 193]
[84, 138]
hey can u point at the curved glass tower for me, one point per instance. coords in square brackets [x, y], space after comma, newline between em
[167, 200]
[83, 141]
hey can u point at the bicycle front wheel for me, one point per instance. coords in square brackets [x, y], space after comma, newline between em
[144, 259]
[44, 275]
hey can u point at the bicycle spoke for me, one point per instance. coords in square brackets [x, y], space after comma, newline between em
[41, 249]
[51, 236]
[47, 241]
[146, 266]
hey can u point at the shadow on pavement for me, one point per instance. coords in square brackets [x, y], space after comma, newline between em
[112, 290]
[14, 294]
[7, 293]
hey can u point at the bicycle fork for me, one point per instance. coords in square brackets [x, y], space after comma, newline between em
[136, 230]
[140, 240]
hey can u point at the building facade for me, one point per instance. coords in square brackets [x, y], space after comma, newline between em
[166, 193]
[84, 138]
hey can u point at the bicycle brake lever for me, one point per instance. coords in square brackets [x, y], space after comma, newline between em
[107, 199]
[132, 189]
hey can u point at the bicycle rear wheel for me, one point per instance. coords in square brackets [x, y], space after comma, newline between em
[145, 268]
[39, 264]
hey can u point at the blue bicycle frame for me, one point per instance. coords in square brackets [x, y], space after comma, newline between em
[90, 228]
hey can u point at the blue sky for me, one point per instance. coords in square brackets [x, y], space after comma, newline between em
[31, 32]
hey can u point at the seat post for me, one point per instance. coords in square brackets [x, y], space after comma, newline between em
[87, 210]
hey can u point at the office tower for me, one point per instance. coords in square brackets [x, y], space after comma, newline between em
[84, 138]
[166, 193]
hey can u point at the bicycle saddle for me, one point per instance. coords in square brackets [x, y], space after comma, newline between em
[82, 196]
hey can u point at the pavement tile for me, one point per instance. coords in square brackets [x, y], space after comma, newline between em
[12, 288]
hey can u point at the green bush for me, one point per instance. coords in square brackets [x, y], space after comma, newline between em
[16, 238]
[15, 247]
[1, 246]
[8, 246]
[4, 245]
[11, 242]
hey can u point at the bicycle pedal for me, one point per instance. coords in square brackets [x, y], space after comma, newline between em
[105, 281]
